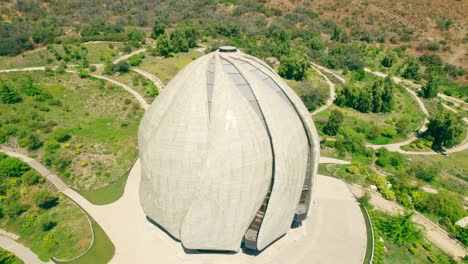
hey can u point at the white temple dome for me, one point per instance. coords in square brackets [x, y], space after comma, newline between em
[229, 154]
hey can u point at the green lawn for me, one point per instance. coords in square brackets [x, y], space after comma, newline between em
[101, 120]
[165, 69]
[138, 82]
[454, 170]
[369, 234]
[107, 194]
[58, 228]
[101, 251]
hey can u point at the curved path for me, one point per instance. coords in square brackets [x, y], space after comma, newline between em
[332, 91]
[149, 76]
[126, 56]
[336, 225]
[433, 232]
[22, 252]
[137, 96]
[396, 147]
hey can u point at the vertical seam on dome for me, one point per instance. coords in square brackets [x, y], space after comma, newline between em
[309, 171]
[266, 200]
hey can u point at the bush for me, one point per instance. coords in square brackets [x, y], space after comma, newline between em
[31, 142]
[8, 95]
[12, 167]
[61, 135]
[47, 225]
[31, 178]
[44, 199]
[294, 66]
[15, 209]
[389, 132]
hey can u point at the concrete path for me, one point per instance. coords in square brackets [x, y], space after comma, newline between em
[43, 171]
[22, 252]
[8, 234]
[327, 160]
[126, 56]
[332, 91]
[137, 96]
[341, 79]
[336, 225]
[149, 76]
[433, 232]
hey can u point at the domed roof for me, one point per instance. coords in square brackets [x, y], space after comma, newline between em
[229, 153]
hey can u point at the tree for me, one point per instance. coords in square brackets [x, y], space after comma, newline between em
[8, 95]
[45, 199]
[12, 167]
[400, 229]
[163, 47]
[388, 61]
[431, 89]
[445, 129]
[334, 122]
[158, 29]
[412, 71]
[294, 66]
[349, 140]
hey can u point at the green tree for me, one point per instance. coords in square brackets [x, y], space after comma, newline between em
[8, 95]
[349, 140]
[45, 199]
[163, 47]
[445, 129]
[412, 71]
[431, 89]
[294, 66]
[334, 122]
[400, 229]
[388, 61]
[12, 167]
[158, 29]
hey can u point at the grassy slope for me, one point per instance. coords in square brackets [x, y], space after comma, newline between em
[166, 69]
[101, 252]
[102, 125]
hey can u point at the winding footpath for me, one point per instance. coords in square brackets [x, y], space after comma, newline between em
[126, 56]
[396, 147]
[433, 232]
[20, 251]
[332, 90]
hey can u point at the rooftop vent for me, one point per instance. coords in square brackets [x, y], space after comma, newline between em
[227, 49]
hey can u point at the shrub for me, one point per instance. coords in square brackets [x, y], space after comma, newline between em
[47, 225]
[12, 167]
[31, 142]
[8, 95]
[15, 209]
[31, 178]
[61, 135]
[389, 131]
[44, 199]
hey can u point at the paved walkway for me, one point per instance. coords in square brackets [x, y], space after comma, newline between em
[335, 225]
[150, 76]
[327, 160]
[137, 96]
[22, 252]
[126, 56]
[433, 232]
[332, 90]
